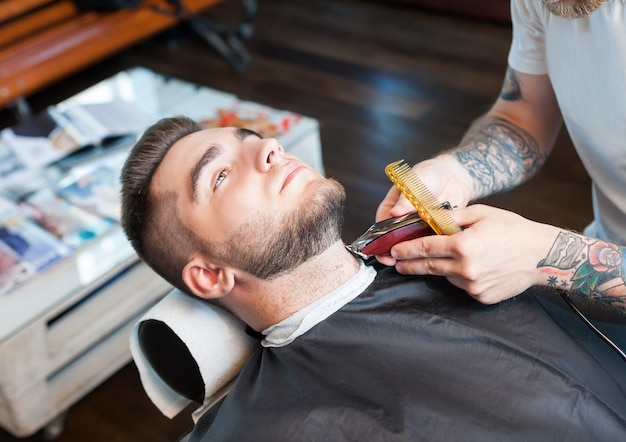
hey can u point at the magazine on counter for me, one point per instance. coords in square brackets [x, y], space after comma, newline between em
[10, 163]
[28, 241]
[264, 120]
[94, 123]
[13, 271]
[64, 129]
[96, 187]
[71, 224]
[38, 141]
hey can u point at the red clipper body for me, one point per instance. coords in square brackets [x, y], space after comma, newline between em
[381, 237]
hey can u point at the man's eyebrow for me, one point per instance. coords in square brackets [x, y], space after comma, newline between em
[241, 133]
[209, 155]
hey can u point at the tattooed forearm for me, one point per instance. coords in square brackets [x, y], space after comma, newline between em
[499, 155]
[588, 267]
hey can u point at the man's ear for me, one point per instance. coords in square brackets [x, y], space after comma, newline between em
[208, 280]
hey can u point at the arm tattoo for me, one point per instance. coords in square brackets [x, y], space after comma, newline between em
[499, 155]
[511, 90]
[588, 267]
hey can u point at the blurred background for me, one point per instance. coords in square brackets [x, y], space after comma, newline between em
[386, 80]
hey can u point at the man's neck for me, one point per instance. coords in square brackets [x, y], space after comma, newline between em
[262, 303]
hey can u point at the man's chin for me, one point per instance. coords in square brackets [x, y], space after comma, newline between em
[270, 244]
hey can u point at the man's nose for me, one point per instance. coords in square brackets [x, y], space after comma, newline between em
[270, 154]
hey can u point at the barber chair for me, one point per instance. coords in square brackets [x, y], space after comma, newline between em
[206, 347]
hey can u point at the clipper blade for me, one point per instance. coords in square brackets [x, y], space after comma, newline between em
[431, 210]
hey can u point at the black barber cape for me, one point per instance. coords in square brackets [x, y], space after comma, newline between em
[415, 358]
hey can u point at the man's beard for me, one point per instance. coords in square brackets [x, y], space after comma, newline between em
[267, 247]
[573, 8]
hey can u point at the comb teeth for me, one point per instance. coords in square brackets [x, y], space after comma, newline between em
[423, 200]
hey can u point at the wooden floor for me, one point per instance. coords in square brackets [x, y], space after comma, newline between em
[385, 83]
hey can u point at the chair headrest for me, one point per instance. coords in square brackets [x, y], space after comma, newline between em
[181, 337]
[176, 366]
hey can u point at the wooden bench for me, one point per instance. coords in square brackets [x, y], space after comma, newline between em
[43, 41]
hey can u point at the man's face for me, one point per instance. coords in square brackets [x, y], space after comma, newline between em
[260, 209]
[572, 8]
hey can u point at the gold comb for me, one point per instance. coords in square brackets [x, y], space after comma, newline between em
[430, 210]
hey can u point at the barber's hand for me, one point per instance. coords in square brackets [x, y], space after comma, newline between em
[494, 258]
[441, 176]
[445, 179]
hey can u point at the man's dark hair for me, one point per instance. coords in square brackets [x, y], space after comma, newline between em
[151, 221]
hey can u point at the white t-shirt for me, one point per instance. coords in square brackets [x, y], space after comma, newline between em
[586, 61]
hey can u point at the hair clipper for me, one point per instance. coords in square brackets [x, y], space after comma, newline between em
[381, 236]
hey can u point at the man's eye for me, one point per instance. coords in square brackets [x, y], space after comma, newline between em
[220, 177]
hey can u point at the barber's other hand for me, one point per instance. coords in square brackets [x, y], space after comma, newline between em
[441, 176]
[494, 258]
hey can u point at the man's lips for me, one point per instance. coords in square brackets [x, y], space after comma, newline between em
[291, 171]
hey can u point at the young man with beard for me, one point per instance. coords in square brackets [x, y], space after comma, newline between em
[567, 63]
[349, 353]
